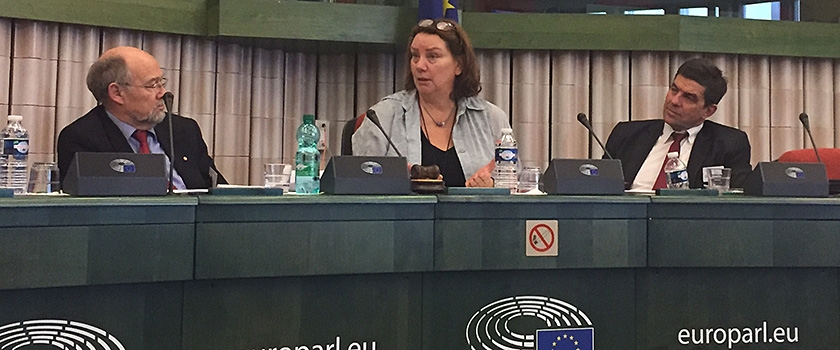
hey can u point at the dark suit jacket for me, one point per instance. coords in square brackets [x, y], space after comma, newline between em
[715, 144]
[95, 132]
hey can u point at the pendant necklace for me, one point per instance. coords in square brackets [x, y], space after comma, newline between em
[426, 113]
[441, 163]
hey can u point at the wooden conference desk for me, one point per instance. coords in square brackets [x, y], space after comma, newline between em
[420, 272]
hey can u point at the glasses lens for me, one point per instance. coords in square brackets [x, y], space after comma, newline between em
[444, 26]
[425, 23]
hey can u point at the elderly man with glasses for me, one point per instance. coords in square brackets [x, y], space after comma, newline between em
[129, 86]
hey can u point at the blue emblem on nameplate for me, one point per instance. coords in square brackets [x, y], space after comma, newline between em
[372, 168]
[122, 165]
[588, 169]
[795, 173]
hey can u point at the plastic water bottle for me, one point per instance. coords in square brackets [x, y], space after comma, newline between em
[507, 158]
[15, 151]
[308, 158]
[675, 172]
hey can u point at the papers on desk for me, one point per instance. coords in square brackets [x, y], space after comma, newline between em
[640, 192]
[50, 194]
[191, 191]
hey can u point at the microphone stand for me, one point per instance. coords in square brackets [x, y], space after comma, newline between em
[373, 118]
[805, 123]
[585, 121]
[167, 101]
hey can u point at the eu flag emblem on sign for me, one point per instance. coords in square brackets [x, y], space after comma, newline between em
[566, 339]
[434, 9]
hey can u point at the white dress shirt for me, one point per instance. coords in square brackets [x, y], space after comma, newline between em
[650, 169]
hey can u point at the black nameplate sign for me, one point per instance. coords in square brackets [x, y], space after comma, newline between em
[116, 174]
[787, 180]
[584, 177]
[366, 175]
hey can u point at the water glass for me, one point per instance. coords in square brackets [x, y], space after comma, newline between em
[278, 175]
[529, 179]
[719, 178]
[43, 178]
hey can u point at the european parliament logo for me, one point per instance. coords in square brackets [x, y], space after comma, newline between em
[56, 333]
[566, 339]
[528, 322]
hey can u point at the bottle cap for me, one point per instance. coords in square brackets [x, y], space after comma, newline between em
[15, 118]
[507, 130]
[673, 155]
[309, 118]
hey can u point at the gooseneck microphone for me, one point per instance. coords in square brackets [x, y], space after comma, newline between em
[373, 118]
[585, 121]
[167, 101]
[807, 125]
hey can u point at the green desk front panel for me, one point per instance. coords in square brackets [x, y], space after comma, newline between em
[737, 308]
[54, 242]
[135, 316]
[373, 311]
[313, 235]
[503, 309]
[744, 231]
[488, 232]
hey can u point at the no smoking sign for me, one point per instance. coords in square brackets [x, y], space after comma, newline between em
[541, 238]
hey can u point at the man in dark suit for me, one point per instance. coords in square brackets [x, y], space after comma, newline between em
[693, 96]
[129, 85]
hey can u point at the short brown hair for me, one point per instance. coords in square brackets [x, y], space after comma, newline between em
[105, 71]
[708, 75]
[468, 83]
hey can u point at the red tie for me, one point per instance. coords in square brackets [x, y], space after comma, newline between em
[675, 147]
[140, 135]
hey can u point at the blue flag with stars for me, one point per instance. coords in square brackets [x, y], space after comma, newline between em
[566, 339]
[434, 9]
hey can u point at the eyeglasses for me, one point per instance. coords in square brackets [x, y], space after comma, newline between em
[160, 84]
[440, 25]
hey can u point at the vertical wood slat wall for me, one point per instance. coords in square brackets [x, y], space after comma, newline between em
[249, 100]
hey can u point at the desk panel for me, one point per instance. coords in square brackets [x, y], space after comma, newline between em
[745, 307]
[488, 233]
[54, 242]
[382, 311]
[138, 316]
[479, 304]
[317, 235]
[411, 272]
[744, 231]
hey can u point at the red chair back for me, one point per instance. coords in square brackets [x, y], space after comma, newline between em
[829, 156]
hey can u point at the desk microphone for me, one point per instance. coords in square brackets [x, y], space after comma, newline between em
[373, 118]
[804, 119]
[585, 121]
[167, 101]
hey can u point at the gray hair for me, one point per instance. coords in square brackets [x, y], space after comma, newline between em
[104, 72]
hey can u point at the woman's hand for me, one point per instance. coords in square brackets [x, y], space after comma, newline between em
[482, 177]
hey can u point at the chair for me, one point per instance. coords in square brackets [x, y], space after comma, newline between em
[347, 134]
[829, 156]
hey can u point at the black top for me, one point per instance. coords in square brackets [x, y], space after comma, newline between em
[448, 162]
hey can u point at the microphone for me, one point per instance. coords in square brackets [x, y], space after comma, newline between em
[807, 125]
[585, 121]
[373, 118]
[167, 101]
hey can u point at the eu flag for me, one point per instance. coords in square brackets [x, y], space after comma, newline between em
[566, 339]
[434, 9]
